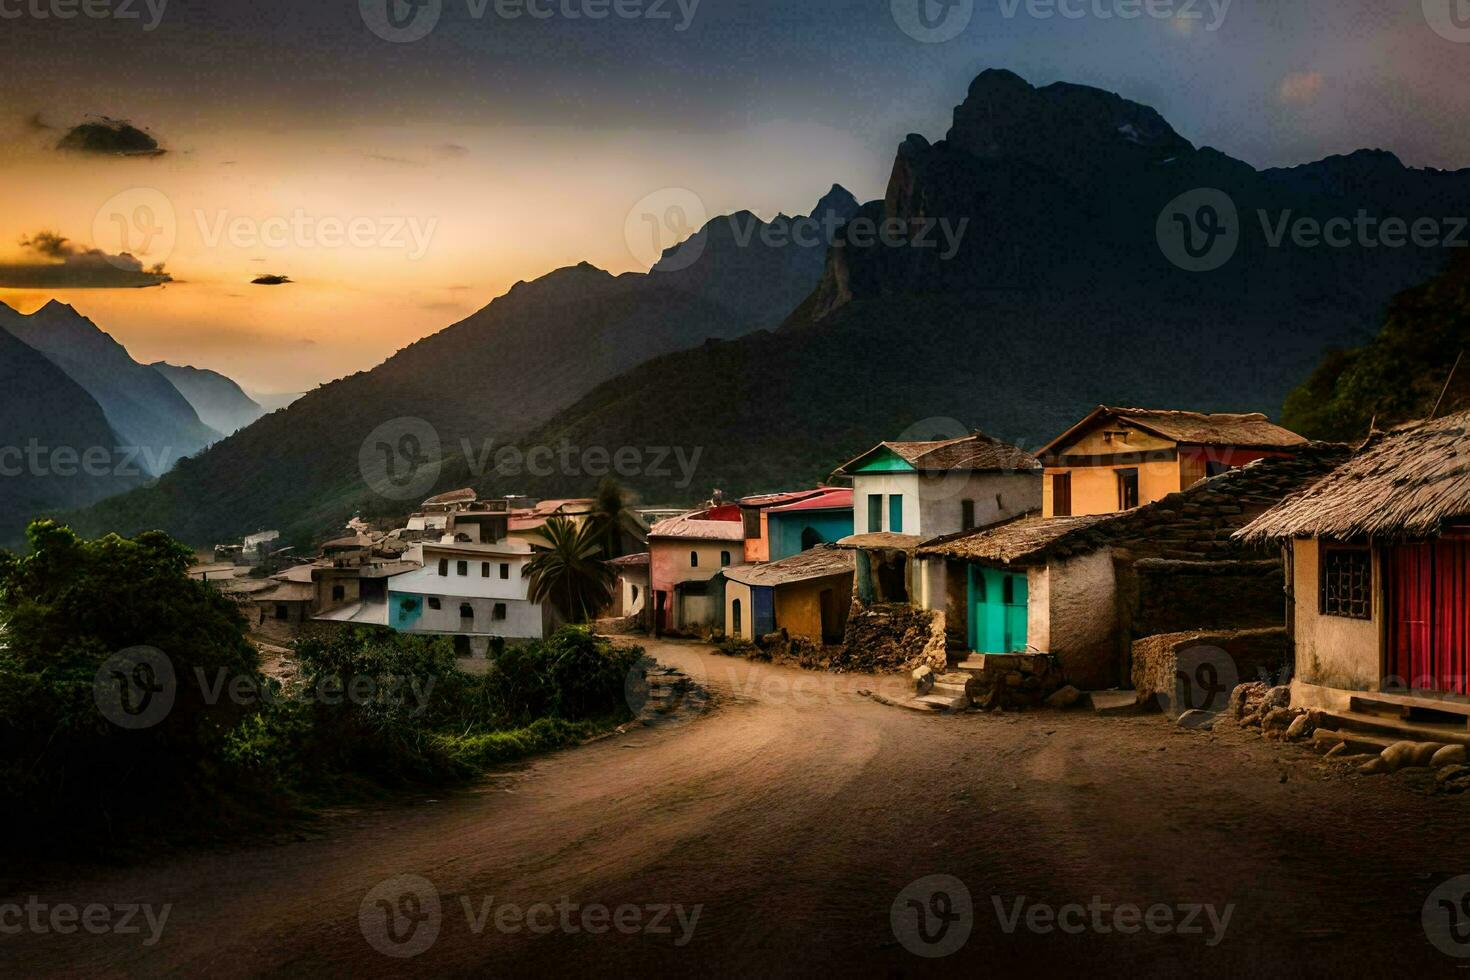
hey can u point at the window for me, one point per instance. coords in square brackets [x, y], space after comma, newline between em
[693, 559]
[751, 519]
[444, 567]
[499, 611]
[505, 570]
[724, 559]
[462, 567]
[1127, 489]
[282, 612]
[434, 602]
[1061, 495]
[895, 513]
[466, 611]
[1347, 583]
[338, 593]
[967, 514]
[875, 513]
[484, 569]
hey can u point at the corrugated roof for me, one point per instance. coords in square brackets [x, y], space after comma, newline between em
[694, 526]
[1409, 482]
[834, 499]
[1252, 430]
[819, 562]
[976, 452]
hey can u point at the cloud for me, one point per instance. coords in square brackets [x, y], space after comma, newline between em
[1301, 87]
[270, 280]
[62, 265]
[442, 307]
[110, 138]
[400, 161]
[451, 150]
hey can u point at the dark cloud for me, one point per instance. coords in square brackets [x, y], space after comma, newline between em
[64, 266]
[270, 280]
[110, 138]
[451, 150]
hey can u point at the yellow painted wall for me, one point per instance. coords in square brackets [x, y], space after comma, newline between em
[1334, 651]
[1095, 488]
[799, 605]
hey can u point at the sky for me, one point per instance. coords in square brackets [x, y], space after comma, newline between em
[402, 171]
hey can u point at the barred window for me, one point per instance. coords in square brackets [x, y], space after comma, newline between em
[1347, 583]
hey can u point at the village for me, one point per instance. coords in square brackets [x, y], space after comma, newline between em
[1143, 561]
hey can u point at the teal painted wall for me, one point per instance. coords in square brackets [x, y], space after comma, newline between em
[884, 461]
[401, 618]
[786, 530]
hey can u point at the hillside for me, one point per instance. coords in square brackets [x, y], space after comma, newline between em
[220, 403]
[1401, 373]
[499, 373]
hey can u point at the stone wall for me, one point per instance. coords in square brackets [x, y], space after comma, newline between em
[1179, 671]
[891, 637]
[1171, 596]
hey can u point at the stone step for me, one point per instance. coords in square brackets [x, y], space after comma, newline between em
[1358, 722]
[1112, 702]
[943, 702]
[950, 688]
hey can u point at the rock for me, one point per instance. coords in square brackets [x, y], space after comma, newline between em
[1196, 720]
[1245, 697]
[1452, 773]
[1339, 749]
[1450, 755]
[923, 680]
[1064, 697]
[1276, 720]
[1276, 697]
[1409, 755]
[1301, 726]
[1374, 766]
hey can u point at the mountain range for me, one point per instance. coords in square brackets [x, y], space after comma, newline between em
[1015, 274]
[220, 403]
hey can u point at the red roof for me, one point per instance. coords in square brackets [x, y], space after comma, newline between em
[834, 499]
[777, 499]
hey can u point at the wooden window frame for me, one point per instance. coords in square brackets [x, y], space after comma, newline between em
[1061, 495]
[1123, 477]
[1335, 605]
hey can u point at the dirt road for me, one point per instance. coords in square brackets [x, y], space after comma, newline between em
[776, 831]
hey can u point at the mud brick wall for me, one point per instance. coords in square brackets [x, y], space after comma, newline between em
[1233, 656]
[1174, 596]
[891, 637]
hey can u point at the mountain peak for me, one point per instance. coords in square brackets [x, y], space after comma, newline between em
[838, 200]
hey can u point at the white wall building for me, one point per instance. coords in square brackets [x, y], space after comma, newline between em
[475, 590]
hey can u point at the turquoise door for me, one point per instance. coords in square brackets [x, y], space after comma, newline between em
[997, 610]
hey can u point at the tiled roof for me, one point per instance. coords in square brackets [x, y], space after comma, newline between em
[835, 499]
[973, 453]
[1194, 428]
[695, 527]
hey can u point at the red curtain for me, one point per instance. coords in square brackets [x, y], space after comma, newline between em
[1429, 615]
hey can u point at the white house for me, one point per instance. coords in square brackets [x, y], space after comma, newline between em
[465, 589]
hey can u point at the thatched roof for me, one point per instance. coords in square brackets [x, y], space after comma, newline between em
[1013, 541]
[976, 452]
[882, 541]
[1407, 483]
[1253, 431]
[820, 562]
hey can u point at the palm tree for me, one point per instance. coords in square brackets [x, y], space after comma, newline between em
[609, 513]
[569, 572]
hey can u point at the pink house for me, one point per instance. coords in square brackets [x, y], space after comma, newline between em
[685, 553]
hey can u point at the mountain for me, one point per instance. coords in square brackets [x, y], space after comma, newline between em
[270, 401]
[57, 450]
[1402, 374]
[143, 408]
[220, 403]
[499, 373]
[1069, 287]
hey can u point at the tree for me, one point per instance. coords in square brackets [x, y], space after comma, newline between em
[609, 512]
[568, 571]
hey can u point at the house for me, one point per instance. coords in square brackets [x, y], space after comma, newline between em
[1119, 458]
[467, 589]
[926, 489]
[808, 595]
[1378, 554]
[685, 555]
[630, 593]
[1082, 588]
[797, 526]
[754, 512]
[905, 493]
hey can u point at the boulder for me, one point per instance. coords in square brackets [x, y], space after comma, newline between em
[1196, 720]
[1374, 766]
[1064, 697]
[1450, 755]
[1409, 755]
[1245, 697]
[1276, 697]
[1276, 720]
[1302, 726]
[923, 680]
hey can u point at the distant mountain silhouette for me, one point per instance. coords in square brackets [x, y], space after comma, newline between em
[56, 449]
[1059, 297]
[143, 408]
[500, 372]
[220, 403]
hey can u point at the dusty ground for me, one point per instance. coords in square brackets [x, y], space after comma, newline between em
[793, 811]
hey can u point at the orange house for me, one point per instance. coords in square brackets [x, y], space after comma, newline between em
[1120, 458]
